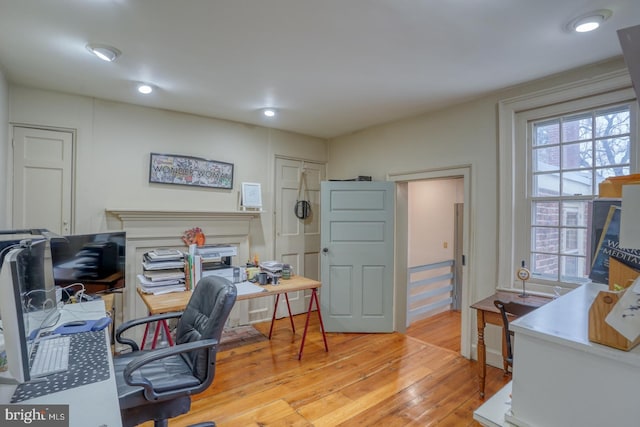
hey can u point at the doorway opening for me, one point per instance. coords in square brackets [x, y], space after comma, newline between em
[432, 240]
[433, 247]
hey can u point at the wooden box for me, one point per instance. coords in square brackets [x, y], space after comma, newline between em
[599, 330]
[612, 186]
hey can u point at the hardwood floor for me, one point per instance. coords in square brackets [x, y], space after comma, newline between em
[418, 379]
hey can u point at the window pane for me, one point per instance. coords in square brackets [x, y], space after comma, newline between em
[573, 241]
[573, 269]
[613, 151]
[576, 128]
[545, 185]
[577, 156]
[546, 159]
[577, 183]
[545, 266]
[545, 213]
[545, 239]
[575, 213]
[613, 122]
[546, 133]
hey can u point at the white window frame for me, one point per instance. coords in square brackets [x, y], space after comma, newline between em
[514, 116]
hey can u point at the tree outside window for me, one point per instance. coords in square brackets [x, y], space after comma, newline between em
[570, 156]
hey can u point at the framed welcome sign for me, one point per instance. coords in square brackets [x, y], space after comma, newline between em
[188, 170]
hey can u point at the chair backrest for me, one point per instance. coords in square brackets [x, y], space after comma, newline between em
[516, 309]
[204, 318]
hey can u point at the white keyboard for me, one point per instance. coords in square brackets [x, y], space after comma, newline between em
[52, 356]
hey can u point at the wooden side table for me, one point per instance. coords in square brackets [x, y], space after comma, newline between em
[488, 313]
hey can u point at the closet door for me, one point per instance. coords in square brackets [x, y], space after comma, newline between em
[297, 240]
[42, 179]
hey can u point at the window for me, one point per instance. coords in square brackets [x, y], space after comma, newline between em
[555, 146]
[569, 155]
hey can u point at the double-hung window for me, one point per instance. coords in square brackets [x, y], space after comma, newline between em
[555, 147]
[568, 156]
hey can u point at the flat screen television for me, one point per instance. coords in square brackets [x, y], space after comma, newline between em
[95, 260]
[27, 304]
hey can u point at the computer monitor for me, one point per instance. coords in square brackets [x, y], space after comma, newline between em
[26, 306]
[95, 260]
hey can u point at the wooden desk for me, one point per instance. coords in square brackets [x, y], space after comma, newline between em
[66, 277]
[177, 301]
[488, 313]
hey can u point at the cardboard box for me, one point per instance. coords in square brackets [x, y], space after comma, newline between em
[612, 186]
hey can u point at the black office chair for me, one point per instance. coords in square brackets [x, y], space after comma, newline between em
[516, 309]
[157, 384]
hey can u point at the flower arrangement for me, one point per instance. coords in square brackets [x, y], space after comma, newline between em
[193, 236]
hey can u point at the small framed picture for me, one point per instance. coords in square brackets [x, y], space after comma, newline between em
[251, 195]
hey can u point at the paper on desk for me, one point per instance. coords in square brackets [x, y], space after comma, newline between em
[247, 288]
[624, 317]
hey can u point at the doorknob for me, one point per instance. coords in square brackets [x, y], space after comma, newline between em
[325, 250]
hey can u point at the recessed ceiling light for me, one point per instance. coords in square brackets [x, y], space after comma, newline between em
[589, 21]
[145, 88]
[104, 52]
[269, 112]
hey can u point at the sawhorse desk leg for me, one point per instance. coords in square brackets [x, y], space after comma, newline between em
[314, 297]
[159, 324]
[275, 309]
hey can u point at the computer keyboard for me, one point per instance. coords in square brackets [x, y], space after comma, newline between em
[52, 356]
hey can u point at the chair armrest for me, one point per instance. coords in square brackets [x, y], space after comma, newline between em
[143, 320]
[150, 393]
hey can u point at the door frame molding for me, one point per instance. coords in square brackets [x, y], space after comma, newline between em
[402, 179]
[10, 168]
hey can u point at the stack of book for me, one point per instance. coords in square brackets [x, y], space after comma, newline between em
[163, 272]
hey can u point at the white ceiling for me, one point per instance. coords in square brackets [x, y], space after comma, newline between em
[331, 67]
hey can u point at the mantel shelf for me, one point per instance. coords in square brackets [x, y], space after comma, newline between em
[153, 214]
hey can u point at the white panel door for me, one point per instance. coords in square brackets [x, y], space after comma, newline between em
[42, 179]
[297, 240]
[357, 256]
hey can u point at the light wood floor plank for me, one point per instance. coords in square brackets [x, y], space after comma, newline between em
[418, 379]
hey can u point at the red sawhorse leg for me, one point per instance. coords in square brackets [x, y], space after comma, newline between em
[275, 308]
[314, 297]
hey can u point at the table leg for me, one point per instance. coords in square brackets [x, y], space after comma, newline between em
[275, 308]
[273, 318]
[144, 337]
[505, 365]
[293, 327]
[165, 326]
[155, 336]
[482, 352]
[159, 324]
[314, 297]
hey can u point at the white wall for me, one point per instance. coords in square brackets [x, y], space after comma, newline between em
[432, 220]
[112, 156]
[462, 135]
[4, 148]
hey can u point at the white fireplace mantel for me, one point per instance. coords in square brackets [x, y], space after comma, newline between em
[126, 215]
[155, 223]
[149, 229]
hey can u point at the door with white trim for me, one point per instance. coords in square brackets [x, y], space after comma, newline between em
[42, 179]
[297, 240]
[358, 256]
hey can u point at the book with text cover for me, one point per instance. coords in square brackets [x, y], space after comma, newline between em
[609, 246]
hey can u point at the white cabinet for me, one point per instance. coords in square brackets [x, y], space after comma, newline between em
[560, 378]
